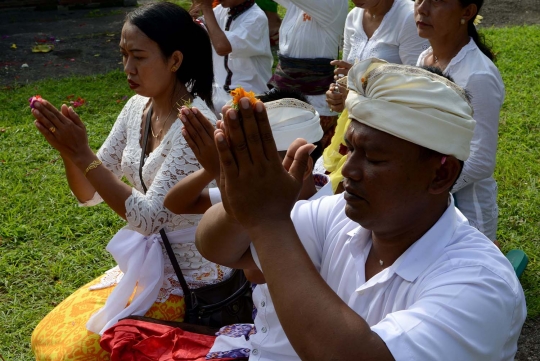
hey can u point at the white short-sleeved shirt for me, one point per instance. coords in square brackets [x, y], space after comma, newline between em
[396, 39]
[251, 58]
[269, 341]
[476, 190]
[313, 29]
[451, 296]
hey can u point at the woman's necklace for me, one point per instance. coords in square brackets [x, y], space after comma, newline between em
[164, 124]
[166, 120]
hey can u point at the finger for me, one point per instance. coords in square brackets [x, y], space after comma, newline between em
[251, 131]
[220, 125]
[334, 102]
[225, 109]
[293, 148]
[236, 139]
[334, 96]
[194, 128]
[341, 64]
[190, 142]
[337, 108]
[49, 137]
[74, 117]
[265, 130]
[205, 123]
[43, 121]
[300, 162]
[49, 111]
[340, 72]
[229, 167]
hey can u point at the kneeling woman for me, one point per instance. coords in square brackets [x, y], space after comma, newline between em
[168, 62]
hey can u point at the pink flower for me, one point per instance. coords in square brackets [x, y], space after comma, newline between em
[32, 100]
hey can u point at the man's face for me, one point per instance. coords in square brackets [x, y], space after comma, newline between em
[386, 184]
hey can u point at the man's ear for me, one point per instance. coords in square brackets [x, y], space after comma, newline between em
[445, 175]
[309, 169]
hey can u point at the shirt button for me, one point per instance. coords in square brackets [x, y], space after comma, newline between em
[264, 330]
[255, 352]
[263, 303]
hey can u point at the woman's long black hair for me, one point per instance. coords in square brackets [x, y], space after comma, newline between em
[173, 28]
[473, 33]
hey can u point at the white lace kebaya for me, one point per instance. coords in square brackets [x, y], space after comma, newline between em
[171, 161]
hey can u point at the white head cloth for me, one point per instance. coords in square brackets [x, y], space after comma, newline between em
[412, 104]
[291, 119]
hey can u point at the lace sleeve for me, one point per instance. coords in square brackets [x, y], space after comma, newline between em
[146, 213]
[111, 150]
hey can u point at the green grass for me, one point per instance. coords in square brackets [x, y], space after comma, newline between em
[49, 247]
[518, 167]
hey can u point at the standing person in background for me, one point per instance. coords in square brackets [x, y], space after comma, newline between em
[309, 39]
[270, 8]
[459, 51]
[242, 57]
[384, 29]
[163, 50]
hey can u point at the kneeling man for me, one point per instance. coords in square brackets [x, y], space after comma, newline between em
[389, 269]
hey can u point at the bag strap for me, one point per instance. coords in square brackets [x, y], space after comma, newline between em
[189, 298]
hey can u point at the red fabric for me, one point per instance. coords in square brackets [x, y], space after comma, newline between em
[133, 340]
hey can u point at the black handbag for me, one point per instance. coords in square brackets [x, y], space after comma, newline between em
[208, 307]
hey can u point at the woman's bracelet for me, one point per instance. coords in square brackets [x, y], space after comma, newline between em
[96, 163]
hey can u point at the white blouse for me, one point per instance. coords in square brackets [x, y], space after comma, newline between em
[396, 39]
[476, 190]
[313, 29]
[171, 161]
[251, 58]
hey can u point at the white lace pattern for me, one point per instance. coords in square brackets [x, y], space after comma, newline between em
[171, 161]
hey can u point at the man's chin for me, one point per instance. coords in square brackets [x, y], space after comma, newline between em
[355, 214]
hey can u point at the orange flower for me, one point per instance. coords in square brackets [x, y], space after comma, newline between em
[240, 93]
[215, 3]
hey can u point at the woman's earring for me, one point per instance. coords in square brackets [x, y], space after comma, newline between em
[173, 69]
[462, 21]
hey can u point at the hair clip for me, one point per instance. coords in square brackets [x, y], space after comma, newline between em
[443, 160]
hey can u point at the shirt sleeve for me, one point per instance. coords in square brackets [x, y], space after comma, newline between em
[454, 320]
[215, 195]
[249, 37]
[112, 149]
[311, 220]
[347, 35]
[487, 99]
[325, 12]
[410, 44]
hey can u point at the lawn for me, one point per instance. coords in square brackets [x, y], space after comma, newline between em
[49, 246]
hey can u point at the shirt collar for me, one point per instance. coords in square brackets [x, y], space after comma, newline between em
[430, 246]
[237, 10]
[417, 257]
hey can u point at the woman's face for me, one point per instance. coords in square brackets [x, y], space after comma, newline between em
[148, 72]
[438, 18]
